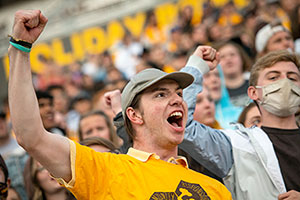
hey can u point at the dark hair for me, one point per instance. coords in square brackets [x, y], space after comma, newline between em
[82, 96]
[53, 87]
[43, 95]
[3, 168]
[4, 190]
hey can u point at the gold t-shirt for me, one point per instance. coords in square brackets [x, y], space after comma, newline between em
[137, 175]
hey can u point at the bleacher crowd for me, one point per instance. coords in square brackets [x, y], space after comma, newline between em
[83, 102]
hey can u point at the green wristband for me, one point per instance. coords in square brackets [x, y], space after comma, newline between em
[20, 47]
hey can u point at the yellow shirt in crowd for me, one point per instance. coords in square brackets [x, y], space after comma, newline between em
[136, 175]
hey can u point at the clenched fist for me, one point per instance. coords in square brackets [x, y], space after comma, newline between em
[209, 55]
[28, 25]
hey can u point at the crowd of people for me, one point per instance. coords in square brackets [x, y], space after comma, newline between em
[220, 97]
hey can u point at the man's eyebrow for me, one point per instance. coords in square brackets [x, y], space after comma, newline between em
[292, 72]
[276, 72]
[159, 89]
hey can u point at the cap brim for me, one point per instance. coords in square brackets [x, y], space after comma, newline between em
[183, 79]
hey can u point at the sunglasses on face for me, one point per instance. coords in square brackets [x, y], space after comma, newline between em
[3, 190]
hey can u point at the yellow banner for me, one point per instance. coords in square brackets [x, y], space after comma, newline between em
[97, 39]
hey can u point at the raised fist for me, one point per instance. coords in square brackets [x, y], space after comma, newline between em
[28, 25]
[209, 55]
[113, 100]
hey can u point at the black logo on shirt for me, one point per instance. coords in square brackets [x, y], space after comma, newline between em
[184, 191]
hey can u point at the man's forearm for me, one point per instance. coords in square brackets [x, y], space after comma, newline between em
[211, 148]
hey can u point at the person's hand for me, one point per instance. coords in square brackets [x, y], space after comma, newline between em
[290, 195]
[209, 55]
[28, 25]
[113, 99]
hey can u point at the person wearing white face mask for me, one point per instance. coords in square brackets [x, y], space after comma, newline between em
[280, 98]
[265, 160]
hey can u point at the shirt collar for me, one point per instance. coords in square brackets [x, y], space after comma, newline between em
[144, 157]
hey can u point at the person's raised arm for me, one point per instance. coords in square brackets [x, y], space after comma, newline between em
[51, 150]
[210, 147]
[113, 100]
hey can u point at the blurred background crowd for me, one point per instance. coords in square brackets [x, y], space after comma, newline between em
[71, 96]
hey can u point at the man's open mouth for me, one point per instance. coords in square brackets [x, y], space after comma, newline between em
[175, 119]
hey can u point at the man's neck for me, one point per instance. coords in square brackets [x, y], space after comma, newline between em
[272, 121]
[163, 153]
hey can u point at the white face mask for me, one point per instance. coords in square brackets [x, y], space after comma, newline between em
[281, 98]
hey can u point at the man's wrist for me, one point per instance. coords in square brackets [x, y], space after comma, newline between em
[199, 63]
[13, 50]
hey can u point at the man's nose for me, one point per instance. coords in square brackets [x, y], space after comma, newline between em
[176, 99]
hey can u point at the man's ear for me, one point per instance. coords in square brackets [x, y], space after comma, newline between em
[8, 182]
[134, 116]
[252, 93]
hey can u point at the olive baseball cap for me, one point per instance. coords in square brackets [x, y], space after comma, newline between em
[147, 78]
